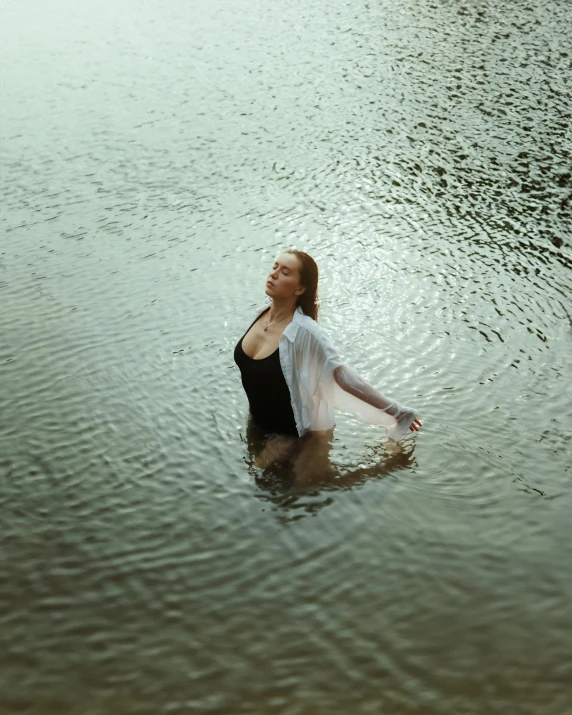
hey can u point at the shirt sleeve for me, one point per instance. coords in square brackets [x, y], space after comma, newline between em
[340, 392]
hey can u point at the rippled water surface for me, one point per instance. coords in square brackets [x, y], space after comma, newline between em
[156, 157]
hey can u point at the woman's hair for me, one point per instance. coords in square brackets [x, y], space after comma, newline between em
[308, 301]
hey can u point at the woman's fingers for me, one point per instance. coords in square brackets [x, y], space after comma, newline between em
[415, 425]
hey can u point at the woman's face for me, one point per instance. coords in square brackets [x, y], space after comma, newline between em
[284, 278]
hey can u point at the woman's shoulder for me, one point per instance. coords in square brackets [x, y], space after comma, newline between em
[262, 306]
[312, 338]
[310, 328]
[307, 323]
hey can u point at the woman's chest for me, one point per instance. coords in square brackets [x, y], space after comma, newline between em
[258, 344]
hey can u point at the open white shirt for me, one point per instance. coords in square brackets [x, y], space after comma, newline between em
[308, 359]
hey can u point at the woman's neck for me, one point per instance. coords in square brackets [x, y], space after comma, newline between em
[281, 309]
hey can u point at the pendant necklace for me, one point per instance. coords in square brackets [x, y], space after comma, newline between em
[276, 321]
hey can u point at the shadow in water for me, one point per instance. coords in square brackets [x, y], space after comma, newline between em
[297, 475]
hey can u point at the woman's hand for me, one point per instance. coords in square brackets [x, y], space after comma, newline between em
[415, 426]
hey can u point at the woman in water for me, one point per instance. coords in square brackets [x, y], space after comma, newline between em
[292, 374]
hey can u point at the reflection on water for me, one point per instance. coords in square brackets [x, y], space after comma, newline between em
[156, 158]
[297, 474]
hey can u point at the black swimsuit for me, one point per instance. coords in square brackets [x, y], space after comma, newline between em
[267, 391]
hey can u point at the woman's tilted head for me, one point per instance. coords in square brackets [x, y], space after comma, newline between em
[295, 274]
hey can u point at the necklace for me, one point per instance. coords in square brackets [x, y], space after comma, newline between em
[276, 321]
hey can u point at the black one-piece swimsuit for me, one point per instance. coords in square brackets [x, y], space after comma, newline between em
[267, 391]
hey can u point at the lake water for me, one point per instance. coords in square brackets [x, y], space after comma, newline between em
[156, 158]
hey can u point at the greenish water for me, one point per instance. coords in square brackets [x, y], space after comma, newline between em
[155, 159]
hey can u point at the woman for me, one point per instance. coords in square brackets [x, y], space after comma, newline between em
[292, 374]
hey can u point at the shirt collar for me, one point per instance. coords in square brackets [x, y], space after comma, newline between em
[292, 327]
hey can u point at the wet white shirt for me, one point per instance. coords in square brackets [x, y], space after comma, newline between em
[308, 359]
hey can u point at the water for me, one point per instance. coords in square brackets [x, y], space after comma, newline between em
[156, 158]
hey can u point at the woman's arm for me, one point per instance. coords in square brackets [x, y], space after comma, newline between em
[351, 382]
[339, 384]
